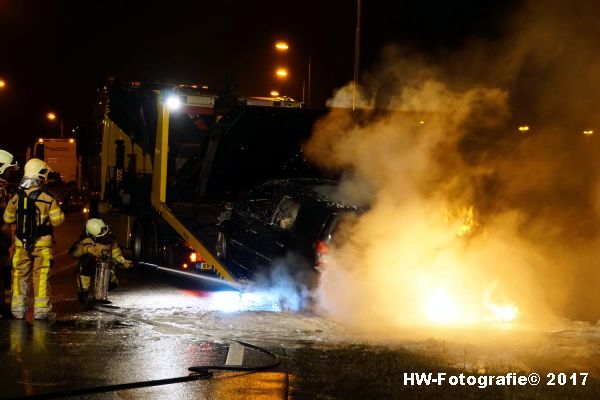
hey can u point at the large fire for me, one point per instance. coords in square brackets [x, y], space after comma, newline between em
[496, 137]
[443, 307]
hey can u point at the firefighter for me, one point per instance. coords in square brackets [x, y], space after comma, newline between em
[35, 212]
[6, 161]
[89, 248]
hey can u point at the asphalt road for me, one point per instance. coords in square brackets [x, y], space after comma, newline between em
[159, 325]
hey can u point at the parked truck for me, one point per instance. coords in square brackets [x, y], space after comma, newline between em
[172, 157]
[60, 155]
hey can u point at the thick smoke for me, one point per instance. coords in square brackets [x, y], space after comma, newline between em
[470, 217]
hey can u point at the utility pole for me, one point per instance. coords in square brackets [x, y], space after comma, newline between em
[356, 53]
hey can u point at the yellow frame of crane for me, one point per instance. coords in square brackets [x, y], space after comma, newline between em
[159, 195]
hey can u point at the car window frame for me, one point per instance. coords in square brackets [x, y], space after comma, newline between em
[258, 194]
[283, 198]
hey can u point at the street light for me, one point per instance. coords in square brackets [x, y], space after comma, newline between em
[52, 117]
[282, 46]
[274, 93]
[2, 84]
[281, 72]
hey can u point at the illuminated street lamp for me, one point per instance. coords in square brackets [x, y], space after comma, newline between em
[2, 84]
[523, 129]
[281, 46]
[274, 93]
[281, 73]
[588, 132]
[52, 117]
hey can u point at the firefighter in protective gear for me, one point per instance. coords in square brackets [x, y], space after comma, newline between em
[89, 249]
[6, 161]
[35, 212]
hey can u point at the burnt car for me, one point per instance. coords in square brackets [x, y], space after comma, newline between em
[290, 221]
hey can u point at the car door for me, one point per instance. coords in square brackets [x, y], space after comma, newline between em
[274, 240]
[248, 220]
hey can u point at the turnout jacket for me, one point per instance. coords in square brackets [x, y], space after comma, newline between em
[47, 209]
[87, 245]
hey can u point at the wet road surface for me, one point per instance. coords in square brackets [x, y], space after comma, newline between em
[158, 326]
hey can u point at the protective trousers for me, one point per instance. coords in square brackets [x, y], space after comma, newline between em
[6, 293]
[40, 258]
[87, 270]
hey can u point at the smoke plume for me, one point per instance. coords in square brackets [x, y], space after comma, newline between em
[471, 219]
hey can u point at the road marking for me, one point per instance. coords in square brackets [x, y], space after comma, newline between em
[235, 355]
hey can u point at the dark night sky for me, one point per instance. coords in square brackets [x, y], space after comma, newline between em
[54, 54]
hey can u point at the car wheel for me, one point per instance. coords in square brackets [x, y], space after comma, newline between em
[221, 246]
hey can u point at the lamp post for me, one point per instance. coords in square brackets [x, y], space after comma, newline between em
[52, 117]
[356, 53]
[282, 47]
[2, 84]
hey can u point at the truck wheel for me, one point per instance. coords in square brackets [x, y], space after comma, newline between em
[221, 246]
[144, 242]
[150, 252]
[137, 243]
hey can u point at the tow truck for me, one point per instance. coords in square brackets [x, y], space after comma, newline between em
[172, 157]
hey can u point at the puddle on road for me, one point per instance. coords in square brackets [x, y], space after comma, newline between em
[91, 325]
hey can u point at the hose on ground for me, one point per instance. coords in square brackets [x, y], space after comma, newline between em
[197, 373]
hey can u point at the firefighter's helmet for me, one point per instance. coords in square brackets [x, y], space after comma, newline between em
[96, 228]
[36, 169]
[6, 161]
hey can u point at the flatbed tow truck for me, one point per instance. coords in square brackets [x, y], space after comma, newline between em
[189, 153]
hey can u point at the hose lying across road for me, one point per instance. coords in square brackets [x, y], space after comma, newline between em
[197, 373]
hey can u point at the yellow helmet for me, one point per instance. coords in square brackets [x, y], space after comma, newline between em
[36, 169]
[96, 228]
[6, 161]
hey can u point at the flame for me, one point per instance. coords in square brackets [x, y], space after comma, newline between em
[441, 307]
[465, 217]
[501, 313]
[468, 222]
[506, 313]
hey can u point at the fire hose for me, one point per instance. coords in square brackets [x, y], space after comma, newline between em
[197, 373]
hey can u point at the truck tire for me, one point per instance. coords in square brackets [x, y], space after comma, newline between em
[137, 242]
[144, 242]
